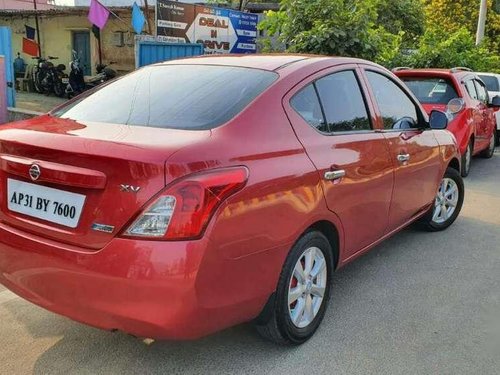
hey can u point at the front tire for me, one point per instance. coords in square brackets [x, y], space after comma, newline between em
[302, 294]
[447, 204]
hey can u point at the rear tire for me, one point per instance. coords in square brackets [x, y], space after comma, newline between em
[59, 89]
[467, 160]
[488, 153]
[293, 323]
[447, 204]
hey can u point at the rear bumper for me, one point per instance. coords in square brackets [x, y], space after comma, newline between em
[140, 287]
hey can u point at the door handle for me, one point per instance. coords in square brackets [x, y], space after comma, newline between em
[334, 175]
[403, 158]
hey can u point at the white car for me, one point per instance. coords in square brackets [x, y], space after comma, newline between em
[492, 82]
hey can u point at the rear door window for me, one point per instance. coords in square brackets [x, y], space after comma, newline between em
[306, 104]
[172, 96]
[471, 89]
[343, 102]
[431, 90]
[482, 94]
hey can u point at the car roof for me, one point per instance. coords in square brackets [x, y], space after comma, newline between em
[272, 62]
[457, 72]
[488, 74]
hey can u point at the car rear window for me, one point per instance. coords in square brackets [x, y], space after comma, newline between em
[430, 90]
[491, 82]
[172, 96]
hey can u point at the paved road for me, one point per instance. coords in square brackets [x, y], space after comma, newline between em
[37, 102]
[418, 304]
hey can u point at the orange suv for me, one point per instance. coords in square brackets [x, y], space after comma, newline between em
[463, 95]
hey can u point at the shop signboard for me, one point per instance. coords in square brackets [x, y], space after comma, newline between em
[220, 30]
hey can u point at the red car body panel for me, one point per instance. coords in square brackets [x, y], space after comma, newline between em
[475, 122]
[187, 289]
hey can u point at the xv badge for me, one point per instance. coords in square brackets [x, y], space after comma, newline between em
[129, 188]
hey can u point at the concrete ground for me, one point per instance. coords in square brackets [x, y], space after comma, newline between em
[419, 303]
[37, 102]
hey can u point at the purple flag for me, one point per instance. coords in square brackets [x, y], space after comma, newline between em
[98, 14]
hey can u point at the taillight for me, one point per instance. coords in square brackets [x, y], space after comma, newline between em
[183, 210]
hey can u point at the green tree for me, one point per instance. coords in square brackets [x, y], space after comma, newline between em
[453, 15]
[402, 16]
[333, 27]
[442, 49]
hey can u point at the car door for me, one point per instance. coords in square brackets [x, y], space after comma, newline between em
[487, 125]
[414, 150]
[331, 117]
[476, 113]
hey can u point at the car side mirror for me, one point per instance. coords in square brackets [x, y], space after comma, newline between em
[495, 102]
[438, 120]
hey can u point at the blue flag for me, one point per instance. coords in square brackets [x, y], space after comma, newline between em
[30, 32]
[137, 18]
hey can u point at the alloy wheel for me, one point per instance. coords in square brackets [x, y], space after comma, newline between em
[307, 287]
[446, 201]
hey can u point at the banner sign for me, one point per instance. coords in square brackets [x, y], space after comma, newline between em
[220, 30]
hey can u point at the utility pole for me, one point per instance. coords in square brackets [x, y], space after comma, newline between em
[481, 23]
[37, 30]
[147, 17]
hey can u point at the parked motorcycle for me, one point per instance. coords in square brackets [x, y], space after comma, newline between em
[104, 73]
[47, 78]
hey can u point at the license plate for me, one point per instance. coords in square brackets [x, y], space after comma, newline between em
[65, 80]
[54, 205]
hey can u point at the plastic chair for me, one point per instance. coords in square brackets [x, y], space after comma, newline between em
[24, 82]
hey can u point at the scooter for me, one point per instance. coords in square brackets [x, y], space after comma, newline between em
[75, 83]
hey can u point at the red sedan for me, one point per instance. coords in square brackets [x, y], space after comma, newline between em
[461, 93]
[197, 194]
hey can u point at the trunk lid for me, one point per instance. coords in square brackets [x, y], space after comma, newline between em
[109, 170]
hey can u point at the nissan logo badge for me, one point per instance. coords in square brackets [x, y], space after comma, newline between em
[35, 172]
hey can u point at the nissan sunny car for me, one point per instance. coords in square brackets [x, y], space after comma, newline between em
[197, 194]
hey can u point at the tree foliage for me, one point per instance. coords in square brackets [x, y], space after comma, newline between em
[402, 16]
[334, 27]
[418, 33]
[441, 49]
[453, 15]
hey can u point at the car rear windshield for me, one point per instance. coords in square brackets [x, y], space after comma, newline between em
[429, 90]
[172, 96]
[491, 82]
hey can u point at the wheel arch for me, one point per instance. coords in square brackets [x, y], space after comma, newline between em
[330, 231]
[455, 164]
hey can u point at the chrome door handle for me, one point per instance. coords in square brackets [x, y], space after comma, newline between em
[403, 158]
[334, 175]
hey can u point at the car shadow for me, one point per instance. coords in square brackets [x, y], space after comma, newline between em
[393, 297]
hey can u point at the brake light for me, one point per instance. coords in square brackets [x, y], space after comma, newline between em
[183, 210]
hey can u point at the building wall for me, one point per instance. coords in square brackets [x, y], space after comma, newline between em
[56, 38]
[24, 4]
